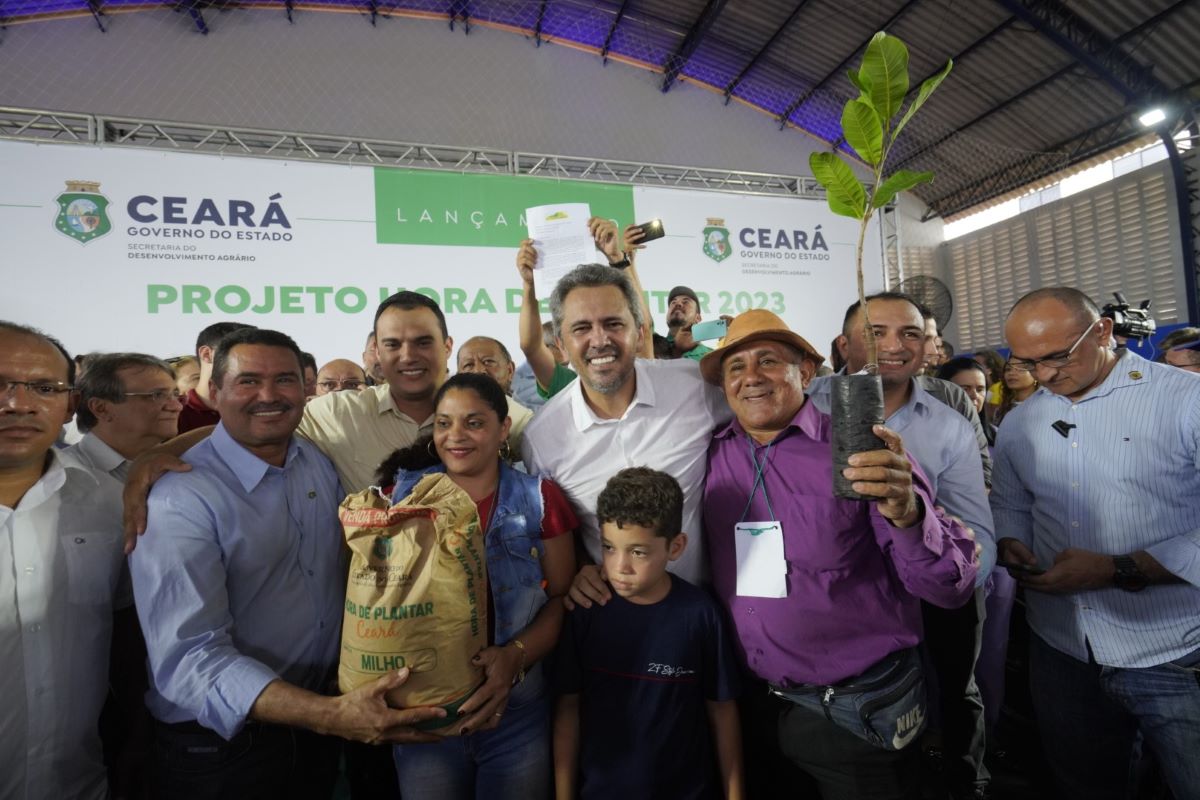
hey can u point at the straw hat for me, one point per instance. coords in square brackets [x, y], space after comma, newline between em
[751, 326]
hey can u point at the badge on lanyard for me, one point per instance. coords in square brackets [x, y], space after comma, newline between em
[761, 567]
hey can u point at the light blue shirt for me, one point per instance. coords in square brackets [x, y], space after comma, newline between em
[524, 387]
[239, 580]
[1126, 478]
[943, 442]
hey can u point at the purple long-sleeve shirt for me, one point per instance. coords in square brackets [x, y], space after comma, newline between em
[853, 579]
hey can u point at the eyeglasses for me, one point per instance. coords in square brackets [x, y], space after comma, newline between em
[333, 386]
[42, 390]
[1052, 361]
[159, 396]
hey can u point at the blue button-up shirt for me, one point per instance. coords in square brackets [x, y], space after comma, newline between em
[1125, 478]
[943, 442]
[239, 580]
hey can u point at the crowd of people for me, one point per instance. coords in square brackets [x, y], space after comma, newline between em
[680, 605]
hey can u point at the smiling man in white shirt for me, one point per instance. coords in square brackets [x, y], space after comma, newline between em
[623, 412]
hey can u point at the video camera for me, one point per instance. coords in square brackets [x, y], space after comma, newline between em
[1130, 323]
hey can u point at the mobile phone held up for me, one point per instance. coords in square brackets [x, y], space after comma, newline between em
[651, 230]
[704, 331]
[1021, 569]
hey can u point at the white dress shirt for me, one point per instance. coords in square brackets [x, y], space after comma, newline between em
[667, 427]
[61, 576]
[92, 451]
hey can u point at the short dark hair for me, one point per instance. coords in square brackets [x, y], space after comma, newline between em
[250, 335]
[853, 309]
[25, 330]
[503, 350]
[308, 360]
[645, 497]
[212, 335]
[1179, 336]
[954, 366]
[101, 381]
[407, 301]
[947, 349]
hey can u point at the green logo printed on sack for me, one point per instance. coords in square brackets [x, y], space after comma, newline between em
[382, 549]
[479, 210]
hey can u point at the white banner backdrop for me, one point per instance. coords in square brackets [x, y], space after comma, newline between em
[123, 249]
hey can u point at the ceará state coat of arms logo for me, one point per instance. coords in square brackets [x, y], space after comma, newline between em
[716, 240]
[82, 212]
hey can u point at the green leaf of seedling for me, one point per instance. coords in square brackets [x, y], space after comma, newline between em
[901, 181]
[885, 74]
[863, 131]
[926, 89]
[844, 193]
[863, 88]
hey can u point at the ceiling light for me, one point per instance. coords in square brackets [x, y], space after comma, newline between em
[1152, 117]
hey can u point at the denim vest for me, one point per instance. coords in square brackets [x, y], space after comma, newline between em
[514, 551]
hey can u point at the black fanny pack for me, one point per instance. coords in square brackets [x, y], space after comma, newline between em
[885, 705]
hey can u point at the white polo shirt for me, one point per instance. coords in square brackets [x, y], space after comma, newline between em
[61, 576]
[667, 427]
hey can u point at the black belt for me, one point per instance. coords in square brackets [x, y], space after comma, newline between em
[192, 728]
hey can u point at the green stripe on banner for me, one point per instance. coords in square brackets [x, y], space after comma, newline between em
[479, 210]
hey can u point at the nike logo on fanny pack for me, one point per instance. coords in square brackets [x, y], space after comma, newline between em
[913, 720]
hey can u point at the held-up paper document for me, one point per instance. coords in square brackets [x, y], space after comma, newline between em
[562, 240]
[761, 566]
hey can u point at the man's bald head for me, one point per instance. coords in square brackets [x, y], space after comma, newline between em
[1081, 307]
[340, 375]
[489, 356]
[1059, 334]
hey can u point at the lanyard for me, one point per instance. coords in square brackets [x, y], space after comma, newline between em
[759, 479]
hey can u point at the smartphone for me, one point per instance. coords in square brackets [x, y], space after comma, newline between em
[714, 329]
[1024, 569]
[652, 230]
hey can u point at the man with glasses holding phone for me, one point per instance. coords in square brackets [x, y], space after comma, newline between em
[127, 403]
[1096, 482]
[61, 567]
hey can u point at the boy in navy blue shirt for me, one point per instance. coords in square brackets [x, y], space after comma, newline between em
[647, 681]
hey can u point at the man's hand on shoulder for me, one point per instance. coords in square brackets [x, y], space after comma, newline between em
[145, 470]
[587, 588]
[887, 474]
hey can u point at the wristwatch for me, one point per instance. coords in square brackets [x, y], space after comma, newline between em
[622, 264]
[1128, 577]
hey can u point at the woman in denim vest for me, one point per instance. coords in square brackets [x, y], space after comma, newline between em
[503, 746]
